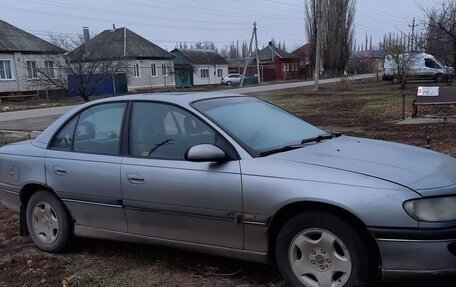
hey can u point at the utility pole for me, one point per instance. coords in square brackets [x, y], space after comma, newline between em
[413, 35]
[256, 52]
[317, 44]
[248, 55]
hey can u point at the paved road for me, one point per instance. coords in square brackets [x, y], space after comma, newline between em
[274, 87]
[26, 119]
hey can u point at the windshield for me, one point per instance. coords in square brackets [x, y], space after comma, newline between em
[256, 125]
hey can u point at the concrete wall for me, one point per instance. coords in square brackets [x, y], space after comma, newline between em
[213, 77]
[146, 79]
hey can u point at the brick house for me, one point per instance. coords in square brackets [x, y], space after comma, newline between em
[304, 53]
[277, 64]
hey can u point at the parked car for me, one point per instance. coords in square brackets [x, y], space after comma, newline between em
[235, 176]
[422, 67]
[232, 79]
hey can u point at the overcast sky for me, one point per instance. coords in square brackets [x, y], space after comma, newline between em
[166, 22]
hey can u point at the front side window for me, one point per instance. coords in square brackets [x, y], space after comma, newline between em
[99, 129]
[165, 132]
[136, 71]
[153, 71]
[257, 126]
[49, 69]
[5, 70]
[431, 64]
[204, 73]
[31, 70]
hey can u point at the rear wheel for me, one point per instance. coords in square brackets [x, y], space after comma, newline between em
[320, 250]
[48, 222]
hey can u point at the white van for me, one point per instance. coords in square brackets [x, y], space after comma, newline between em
[424, 67]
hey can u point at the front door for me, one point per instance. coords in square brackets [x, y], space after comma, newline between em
[168, 197]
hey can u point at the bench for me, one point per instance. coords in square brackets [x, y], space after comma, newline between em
[445, 95]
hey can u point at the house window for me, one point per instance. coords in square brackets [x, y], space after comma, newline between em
[136, 71]
[204, 73]
[31, 70]
[153, 68]
[164, 70]
[49, 69]
[5, 70]
[220, 73]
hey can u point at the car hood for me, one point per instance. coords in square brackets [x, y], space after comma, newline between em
[416, 168]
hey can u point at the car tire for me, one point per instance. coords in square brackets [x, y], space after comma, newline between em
[320, 249]
[48, 222]
[229, 83]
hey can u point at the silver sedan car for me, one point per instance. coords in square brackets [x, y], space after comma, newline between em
[235, 176]
[231, 79]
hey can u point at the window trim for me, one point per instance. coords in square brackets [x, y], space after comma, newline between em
[232, 153]
[47, 69]
[201, 73]
[221, 73]
[136, 68]
[78, 115]
[153, 70]
[36, 70]
[13, 78]
[164, 67]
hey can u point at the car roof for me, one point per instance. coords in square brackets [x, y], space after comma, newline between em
[181, 99]
[177, 98]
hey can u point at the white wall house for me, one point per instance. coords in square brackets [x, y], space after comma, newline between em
[209, 74]
[22, 55]
[208, 66]
[149, 65]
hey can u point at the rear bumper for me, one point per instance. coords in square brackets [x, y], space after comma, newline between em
[416, 253]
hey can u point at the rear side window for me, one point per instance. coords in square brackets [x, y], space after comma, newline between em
[99, 129]
[64, 139]
[95, 130]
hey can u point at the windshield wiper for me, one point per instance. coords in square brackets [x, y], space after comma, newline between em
[296, 146]
[277, 150]
[320, 138]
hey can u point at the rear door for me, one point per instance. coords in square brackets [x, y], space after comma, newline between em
[83, 167]
[168, 197]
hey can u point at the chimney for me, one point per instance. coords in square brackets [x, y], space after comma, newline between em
[113, 27]
[85, 34]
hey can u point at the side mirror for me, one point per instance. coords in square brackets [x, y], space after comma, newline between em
[205, 153]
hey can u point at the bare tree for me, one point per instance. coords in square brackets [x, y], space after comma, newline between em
[85, 73]
[337, 30]
[442, 30]
[399, 60]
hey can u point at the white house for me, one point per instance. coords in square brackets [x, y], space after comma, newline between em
[149, 65]
[21, 56]
[208, 66]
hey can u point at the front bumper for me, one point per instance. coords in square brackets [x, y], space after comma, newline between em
[416, 253]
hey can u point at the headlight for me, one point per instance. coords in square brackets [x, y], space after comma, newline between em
[432, 209]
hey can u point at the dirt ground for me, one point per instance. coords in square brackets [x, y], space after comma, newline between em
[368, 110]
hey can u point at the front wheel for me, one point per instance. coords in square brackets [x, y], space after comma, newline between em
[229, 83]
[48, 222]
[320, 250]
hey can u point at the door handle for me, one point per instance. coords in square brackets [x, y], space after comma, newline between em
[59, 170]
[135, 178]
